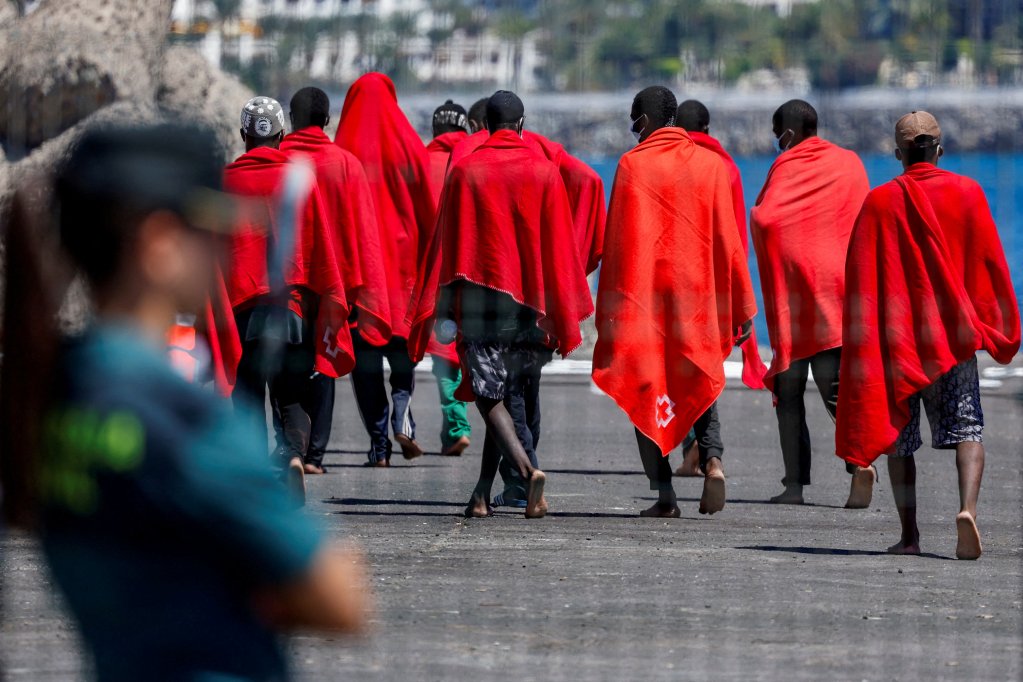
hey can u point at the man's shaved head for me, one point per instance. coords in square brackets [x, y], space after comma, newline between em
[693, 116]
[798, 116]
[656, 105]
[310, 107]
[478, 115]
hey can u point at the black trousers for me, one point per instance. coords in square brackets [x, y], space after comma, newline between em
[524, 408]
[286, 390]
[790, 407]
[371, 394]
[708, 440]
[318, 402]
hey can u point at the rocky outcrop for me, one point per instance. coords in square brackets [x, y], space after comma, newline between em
[74, 63]
[214, 99]
[70, 58]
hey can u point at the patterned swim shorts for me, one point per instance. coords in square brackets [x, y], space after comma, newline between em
[953, 411]
[496, 370]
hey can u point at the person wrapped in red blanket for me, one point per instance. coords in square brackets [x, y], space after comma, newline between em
[584, 186]
[450, 126]
[351, 218]
[504, 271]
[674, 297]
[927, 286]
[801, 224]
[694, 117]
[314, 333]
[374, 129]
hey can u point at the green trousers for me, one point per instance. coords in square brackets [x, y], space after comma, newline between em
[454, 413]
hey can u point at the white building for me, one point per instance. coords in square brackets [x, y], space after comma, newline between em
[460, 58]
[187, 11]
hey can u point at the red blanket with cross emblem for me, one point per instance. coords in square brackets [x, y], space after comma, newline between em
[674, 287]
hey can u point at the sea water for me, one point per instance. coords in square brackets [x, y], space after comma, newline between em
[1001, 176]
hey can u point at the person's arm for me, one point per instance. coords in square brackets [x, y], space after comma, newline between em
[331, 595]
[745, 331]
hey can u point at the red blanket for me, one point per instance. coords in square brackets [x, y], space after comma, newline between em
[927, 286]
[257, 175]
[801, 225]
[467, 146]
[753, 367]
[674, 286]
[585, 194]
[506, 224]
[440, 149]
[351, 217]
[375, 130]
[221, 335]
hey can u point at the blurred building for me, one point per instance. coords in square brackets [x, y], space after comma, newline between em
[338, 40]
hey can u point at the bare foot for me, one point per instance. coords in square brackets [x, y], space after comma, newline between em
[409, 448]
[861, 489]
[543, 508]
[713, 499]
[906, 547]
[478, 508]
[968, 546]
[790, 496]
[662, 511]
[457, 448]
[296, 480]
[534, 496]
[313, 469]
[690, 467]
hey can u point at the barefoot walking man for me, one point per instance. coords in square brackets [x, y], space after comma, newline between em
[666, 323]
[927, 287]
[505, 269]
[800, 226]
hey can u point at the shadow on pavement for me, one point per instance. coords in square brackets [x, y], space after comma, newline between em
[360, 502]
[834, 551]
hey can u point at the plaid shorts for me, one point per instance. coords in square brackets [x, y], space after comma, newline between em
[953, 411]
[496, 369]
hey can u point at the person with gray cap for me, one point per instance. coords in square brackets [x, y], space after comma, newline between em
[927, 287]
[175, 549]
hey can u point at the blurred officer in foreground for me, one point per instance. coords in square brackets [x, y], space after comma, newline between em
[177, 550]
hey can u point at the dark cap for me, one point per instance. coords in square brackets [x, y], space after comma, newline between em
[152, 167]
[504, 107]
[451, 114]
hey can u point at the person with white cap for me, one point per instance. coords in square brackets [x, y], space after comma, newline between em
[312, 334]
[927, 286]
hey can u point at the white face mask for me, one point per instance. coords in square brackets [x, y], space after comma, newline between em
[778, 146]
[639, 133]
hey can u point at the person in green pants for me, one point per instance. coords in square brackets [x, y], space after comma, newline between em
[455, 428]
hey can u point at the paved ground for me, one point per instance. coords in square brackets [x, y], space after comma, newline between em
[595, 593]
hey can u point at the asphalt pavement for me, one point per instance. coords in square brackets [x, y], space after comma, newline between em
[593, 592]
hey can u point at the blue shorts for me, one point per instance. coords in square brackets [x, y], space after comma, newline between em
[953, 411]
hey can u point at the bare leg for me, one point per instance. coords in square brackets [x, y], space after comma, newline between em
[501, 429]
[690, 467]
[902, 472]
[713, 499]
[970, 463]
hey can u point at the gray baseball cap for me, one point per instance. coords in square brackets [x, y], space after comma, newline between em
[262, 117]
